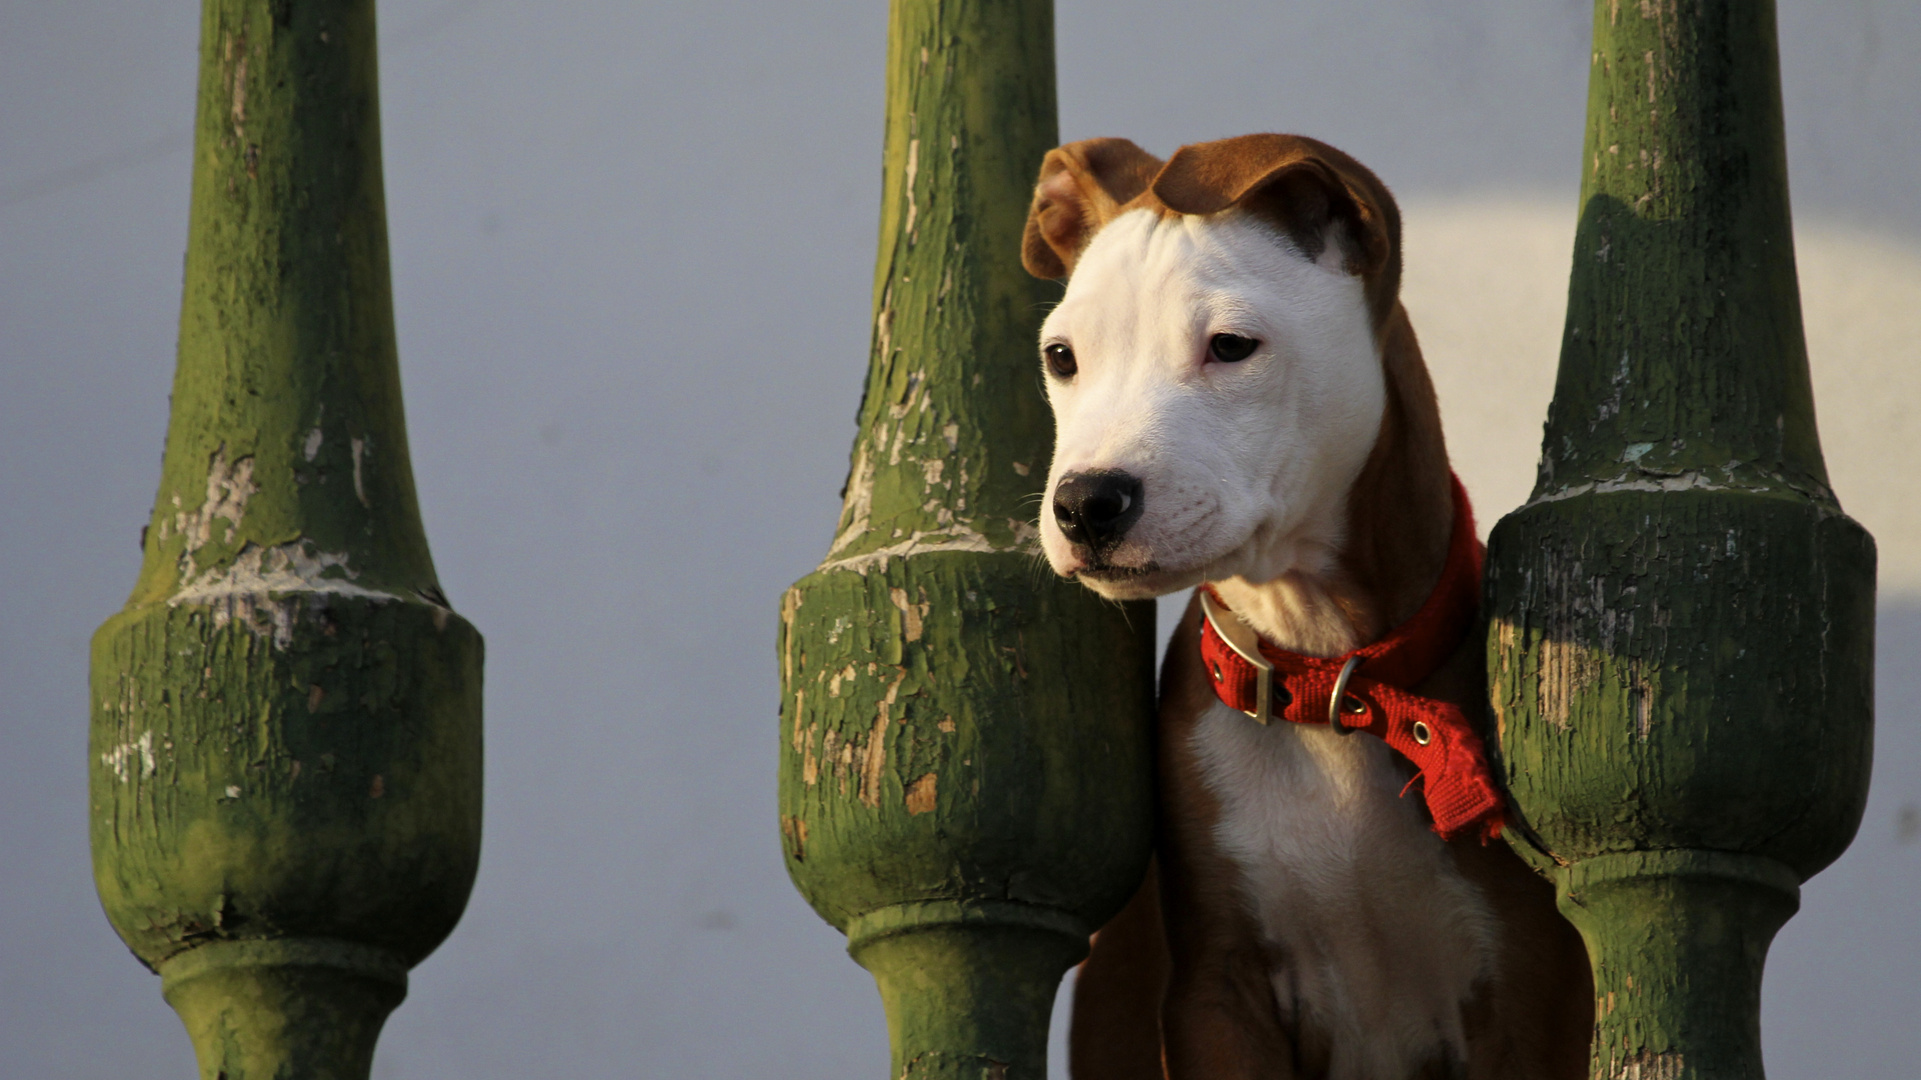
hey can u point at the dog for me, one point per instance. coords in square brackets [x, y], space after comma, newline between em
[1241, 405]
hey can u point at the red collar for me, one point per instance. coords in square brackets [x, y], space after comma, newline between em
[1366, 690]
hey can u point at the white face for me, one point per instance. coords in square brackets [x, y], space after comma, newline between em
[1243, 466]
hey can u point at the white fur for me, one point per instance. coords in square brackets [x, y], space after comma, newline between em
[1245, 470]
[1244, 466]
[1383, 939]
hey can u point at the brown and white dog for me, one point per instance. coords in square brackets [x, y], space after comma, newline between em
[1240, 403]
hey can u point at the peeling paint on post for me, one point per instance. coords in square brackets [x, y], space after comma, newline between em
[1681, 645]
[285, 760]
[965, 757]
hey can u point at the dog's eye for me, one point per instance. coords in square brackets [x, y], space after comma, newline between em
[1060, 360]
[1231, 348]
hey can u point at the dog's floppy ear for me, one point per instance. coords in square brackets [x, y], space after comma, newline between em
[1082, 187]
[1313, 192]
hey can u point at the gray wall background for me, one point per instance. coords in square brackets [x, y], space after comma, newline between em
[632, 251]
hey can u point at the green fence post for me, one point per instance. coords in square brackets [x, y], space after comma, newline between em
[965, 757]
[285, 759]
[1681, 645]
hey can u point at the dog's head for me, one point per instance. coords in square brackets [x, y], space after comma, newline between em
[1215, 365]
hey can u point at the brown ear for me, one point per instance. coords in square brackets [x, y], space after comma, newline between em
[1082, 187]
[1313, 192]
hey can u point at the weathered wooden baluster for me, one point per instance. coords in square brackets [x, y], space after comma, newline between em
[1682, 636]
[964, 742]
[286, 715]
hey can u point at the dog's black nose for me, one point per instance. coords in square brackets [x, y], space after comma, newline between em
[1096, 509]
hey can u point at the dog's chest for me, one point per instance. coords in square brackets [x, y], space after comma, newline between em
[1379, 939]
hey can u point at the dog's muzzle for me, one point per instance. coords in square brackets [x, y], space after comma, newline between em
[1095, 509]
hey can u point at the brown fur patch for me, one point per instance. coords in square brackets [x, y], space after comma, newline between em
[1400, 510]
[1312, 192]
[1115, 1033]
[1082, 186]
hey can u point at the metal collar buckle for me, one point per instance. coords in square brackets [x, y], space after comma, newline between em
[1232, 630]
[1336, 704]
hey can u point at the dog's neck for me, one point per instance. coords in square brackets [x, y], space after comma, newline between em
[1387, 555]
